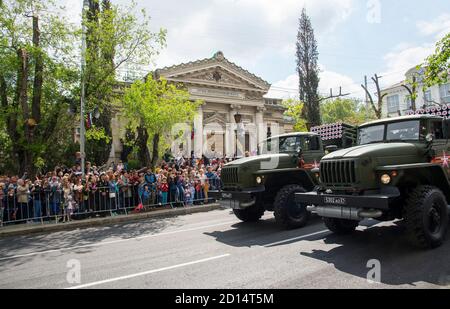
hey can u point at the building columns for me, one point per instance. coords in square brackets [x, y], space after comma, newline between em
[198, 133]
[261, 128]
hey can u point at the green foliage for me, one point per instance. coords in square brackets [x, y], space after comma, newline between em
[60, 78]
[116, 36]
[97, 134]
[154, 107]
[308, 69]
[295, 111]
[346, 110]
[437, 66]
[158, 105]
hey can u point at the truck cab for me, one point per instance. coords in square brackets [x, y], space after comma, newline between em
[398, 170]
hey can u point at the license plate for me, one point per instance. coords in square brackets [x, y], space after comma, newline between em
[341, 201]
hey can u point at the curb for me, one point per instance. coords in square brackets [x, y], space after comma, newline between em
[167, 213]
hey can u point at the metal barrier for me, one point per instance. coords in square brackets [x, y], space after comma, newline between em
[56, 206]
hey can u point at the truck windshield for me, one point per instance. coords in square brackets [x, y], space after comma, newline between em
[395, 132]
[281, 145]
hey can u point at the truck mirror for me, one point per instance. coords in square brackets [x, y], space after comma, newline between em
[299, 151]
[446, 128]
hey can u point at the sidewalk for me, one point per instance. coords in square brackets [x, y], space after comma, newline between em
[24, 229]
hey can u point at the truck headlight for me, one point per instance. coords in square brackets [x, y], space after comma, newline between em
[386, 179]
[258, 180]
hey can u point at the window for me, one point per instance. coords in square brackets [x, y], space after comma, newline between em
[311, 143]
[393, 104]
[445, 93]
[408, 103]
[427, 98]
[289, 144]
[403, 131]
[437, 130]
[370, 135]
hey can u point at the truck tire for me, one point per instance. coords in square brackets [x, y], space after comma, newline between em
[341, 226]
[426, 217]
[251, 214]
[288, 213]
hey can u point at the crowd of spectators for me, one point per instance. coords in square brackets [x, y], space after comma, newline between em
[63, 194]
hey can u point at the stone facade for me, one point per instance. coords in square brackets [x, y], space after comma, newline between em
[226, 90]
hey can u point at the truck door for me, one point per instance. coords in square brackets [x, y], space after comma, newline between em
[440, 146]
[312, 151]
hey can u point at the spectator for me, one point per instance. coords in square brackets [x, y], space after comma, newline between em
[23, 192]
[37, 196]
[2, 202]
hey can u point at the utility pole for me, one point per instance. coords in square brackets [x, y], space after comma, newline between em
[83, 89]
[367, 98]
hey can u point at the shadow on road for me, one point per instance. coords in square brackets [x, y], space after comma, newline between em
[401, 263]
[12, 246]
[263, 233]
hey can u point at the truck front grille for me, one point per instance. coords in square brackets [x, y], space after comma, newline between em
[340, 173]
[230, 176]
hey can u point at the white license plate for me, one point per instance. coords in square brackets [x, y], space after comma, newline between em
[341, 201]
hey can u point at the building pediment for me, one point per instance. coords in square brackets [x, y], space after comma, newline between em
[216, 72]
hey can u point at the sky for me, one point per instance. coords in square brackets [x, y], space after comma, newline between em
[355, 37]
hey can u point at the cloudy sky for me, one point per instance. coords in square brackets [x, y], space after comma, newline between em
[355, 37]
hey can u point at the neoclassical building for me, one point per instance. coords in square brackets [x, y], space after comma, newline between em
[230, 93]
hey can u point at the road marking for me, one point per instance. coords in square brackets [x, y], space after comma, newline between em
[114, 241]
[295, 238]
[147, 272]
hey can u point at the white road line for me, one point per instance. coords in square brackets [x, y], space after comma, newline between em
[114, 241]
[295, 238]
[147, 272]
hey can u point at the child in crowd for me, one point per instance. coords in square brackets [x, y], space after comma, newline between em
[164, 188]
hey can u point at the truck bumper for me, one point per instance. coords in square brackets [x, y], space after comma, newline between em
[347, 207]
[237, 199]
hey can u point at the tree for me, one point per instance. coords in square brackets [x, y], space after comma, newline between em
[411, 87]
[153, 107]
[378, 107]
[437, 66]
[295, 111]
[350, 111]
[37, 74]
[308, 70]
[116, 37]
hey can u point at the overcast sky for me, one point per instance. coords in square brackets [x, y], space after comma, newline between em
[355, 37]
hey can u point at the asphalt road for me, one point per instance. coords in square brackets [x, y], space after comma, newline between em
[214, 250]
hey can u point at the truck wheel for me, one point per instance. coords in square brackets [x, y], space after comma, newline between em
[426, 217]
[340, 226]
[251, 214]
[288, 213]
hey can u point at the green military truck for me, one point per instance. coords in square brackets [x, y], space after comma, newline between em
[398, 170]
[286, 165]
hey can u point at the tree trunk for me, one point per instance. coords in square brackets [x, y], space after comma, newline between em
[3, 92]
[142, 143]
[38, 73]
[25, 154]
[155, 153]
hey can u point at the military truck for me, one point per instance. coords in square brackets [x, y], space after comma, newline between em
[285, 165]
[398, 170]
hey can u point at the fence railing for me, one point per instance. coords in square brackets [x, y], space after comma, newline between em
[56, 206]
